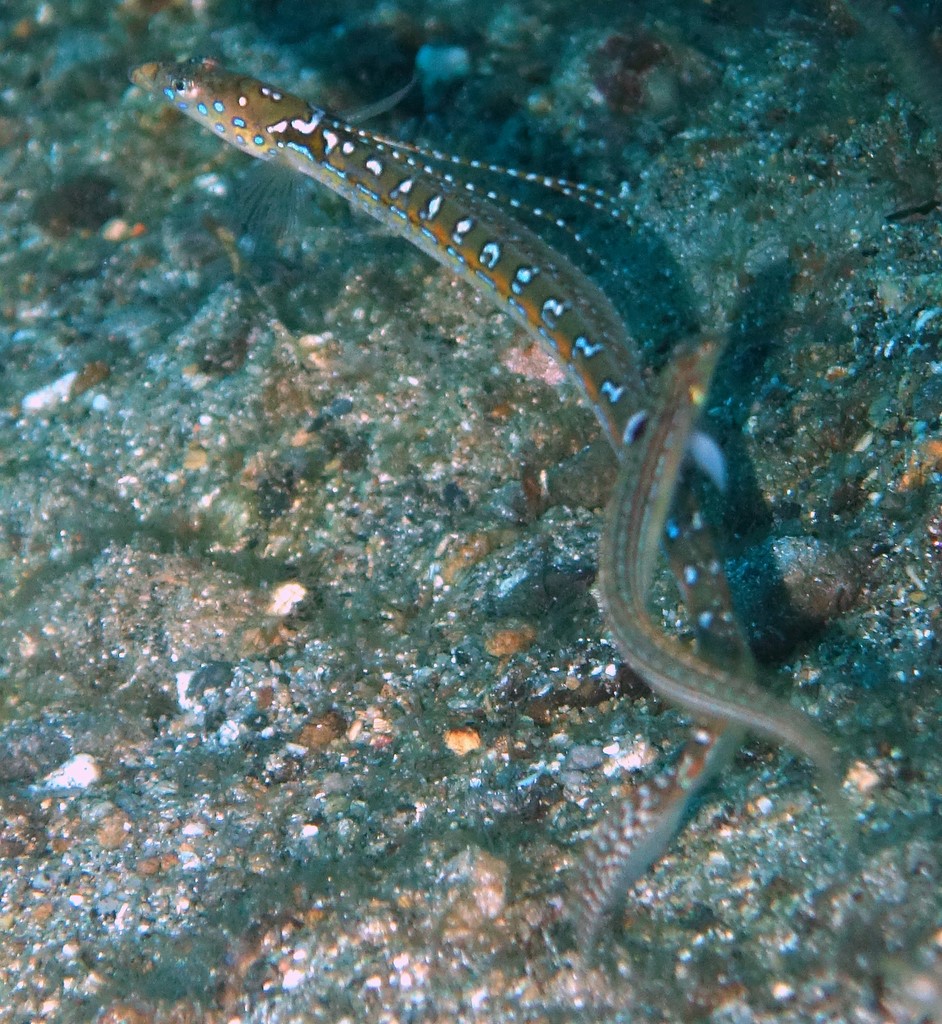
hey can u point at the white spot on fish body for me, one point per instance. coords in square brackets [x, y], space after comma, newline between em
[587, 348]
[431, 210]
[307, 127]
[553, 309]
[611, 391]
[462, 228]
[489, 255]
[522, 278]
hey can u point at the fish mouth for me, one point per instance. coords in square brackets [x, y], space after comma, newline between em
[144, 75]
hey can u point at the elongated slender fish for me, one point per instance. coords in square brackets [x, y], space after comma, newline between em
[537, 286]
[632, 833]
[645, 506]
[559, 306]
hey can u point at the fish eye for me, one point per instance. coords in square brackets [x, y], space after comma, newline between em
[179, 85]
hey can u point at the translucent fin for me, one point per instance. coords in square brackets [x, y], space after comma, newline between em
[378, 107]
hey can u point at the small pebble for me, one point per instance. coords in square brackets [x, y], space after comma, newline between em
[506, 642]
[782, 992]
[584, 757]
[322, 731]
[51, 395]
[470, 551]
[91, 374]
[463, 740]
[862, 777]
[79, 772]
[285, 598]
[195, 458]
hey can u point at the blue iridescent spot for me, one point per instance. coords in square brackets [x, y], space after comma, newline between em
[181, 105]
[238, 122]
[221, 128]
[303, 150]
[169, 93]
[201, 107]
[544, 333]
[219, 106]
[259, 140]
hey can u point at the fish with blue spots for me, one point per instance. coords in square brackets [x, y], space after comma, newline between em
[652, 431]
